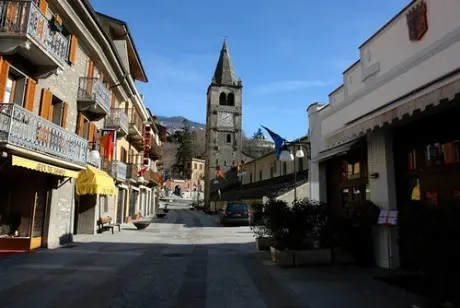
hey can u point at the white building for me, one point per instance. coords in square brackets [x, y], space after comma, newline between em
[393, 124]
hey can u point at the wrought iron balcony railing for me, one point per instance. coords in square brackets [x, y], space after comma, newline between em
[131, 171]
[135, 120]
[93, 90]
[23, 17]
[117, 169]
[27, 130]
[118, 119]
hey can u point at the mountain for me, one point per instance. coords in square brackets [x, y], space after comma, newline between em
[175, 123]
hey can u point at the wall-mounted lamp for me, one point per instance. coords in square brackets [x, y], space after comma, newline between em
[374, 175]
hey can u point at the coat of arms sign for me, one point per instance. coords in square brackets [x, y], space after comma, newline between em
[417, 21]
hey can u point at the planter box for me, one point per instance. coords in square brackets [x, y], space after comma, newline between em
[283, 258]
[312, 257]
[264, 243]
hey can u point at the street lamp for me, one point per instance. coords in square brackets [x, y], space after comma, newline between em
[286, 155]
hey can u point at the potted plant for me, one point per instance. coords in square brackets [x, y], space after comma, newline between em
[261, 232]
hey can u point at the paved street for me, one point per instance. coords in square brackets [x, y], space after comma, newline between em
[185, 260]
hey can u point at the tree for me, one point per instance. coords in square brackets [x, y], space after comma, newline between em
[184, 155]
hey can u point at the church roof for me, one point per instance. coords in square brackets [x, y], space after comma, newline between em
[225, 74]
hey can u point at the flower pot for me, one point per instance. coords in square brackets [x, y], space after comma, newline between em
[284, 258]
[140, 225]
[264, 243]
[312, 257]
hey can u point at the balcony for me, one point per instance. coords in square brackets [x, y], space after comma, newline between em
[24, 129]
[118, 120]
[155, 152]
[93, 98]
[136, 129]
[132, 172]
[117, 169]
[26, 31]
[153, 178]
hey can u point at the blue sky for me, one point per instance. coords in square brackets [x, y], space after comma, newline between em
[288, 53]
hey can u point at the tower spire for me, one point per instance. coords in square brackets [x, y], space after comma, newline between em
[224, 73]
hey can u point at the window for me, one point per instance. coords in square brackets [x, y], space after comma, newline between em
[58, 111]
[201, 166]
[15, 88]
[225, 163]
[284, 168]
[442, 154]
[260, 175]
[86, 129]
[351, 170]
[231, 99]
[271, 172]
[195, 166]
[123, 155]
[103, 203]
[250, 177]
[9, 95]
[222, 99]
[229, 138]
[411, 160]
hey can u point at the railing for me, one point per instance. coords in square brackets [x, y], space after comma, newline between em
[25, 129]
[131, 171]
[152, 176]
[155, 149]
[117, 169]
[24, 17]
[135, 119]
[94, 89]
[118, 118]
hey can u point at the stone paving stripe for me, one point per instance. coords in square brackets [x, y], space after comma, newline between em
[192, 292]
[65, 267]
[273, 294]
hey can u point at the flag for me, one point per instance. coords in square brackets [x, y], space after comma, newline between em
[219, 173]
[142, 171]
[106, 142]
[279, 142]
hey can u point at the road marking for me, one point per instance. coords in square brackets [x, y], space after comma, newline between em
[65, 267]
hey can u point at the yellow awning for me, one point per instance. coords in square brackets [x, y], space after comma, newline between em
[93, 181]
[42, 167]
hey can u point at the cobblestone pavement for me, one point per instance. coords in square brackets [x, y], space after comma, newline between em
[184, 260]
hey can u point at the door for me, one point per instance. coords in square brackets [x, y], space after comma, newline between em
[41, 202]
[134, 196]
[121, 206]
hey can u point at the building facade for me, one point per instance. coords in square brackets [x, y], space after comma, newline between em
[389, 130]
[66, 79]
[223, 121]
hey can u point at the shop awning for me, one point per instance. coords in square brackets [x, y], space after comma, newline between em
[323, 155]
[93, 181]
[396, 110]
[42, 167]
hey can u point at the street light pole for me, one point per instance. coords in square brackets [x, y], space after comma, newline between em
[286, 155]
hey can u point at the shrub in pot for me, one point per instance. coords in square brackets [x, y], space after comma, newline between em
[261, 233]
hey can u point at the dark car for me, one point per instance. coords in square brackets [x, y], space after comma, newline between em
[236, 213]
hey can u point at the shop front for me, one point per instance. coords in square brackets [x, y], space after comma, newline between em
[26, 200]
[96, 192]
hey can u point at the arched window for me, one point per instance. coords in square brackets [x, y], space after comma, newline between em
[229, 138]
[222, 99]
[284, 168]
[231, 99]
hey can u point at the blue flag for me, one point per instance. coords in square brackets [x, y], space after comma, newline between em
[278, 140]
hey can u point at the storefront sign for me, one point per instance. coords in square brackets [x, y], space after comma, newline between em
[42, 167]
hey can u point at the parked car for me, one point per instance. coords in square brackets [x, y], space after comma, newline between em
[236, 213]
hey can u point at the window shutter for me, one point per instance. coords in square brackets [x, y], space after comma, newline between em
[73, 49]
[30, 94]
[4, 71]
[46, 104]
[65, 109]
[112, 104]
[58, 19]
[80, 123]
[43, 6]
[90, 73]
[92, 131]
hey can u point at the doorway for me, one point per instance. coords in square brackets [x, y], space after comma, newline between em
[121, 205]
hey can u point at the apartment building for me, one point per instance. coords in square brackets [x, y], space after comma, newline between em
[67, 77]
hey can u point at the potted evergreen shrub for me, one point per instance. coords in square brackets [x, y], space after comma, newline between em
[261, 233]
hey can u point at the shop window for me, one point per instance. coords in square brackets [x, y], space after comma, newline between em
[442, 154]
[351, 171]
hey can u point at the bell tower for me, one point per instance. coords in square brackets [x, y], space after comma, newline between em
[223, 122]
